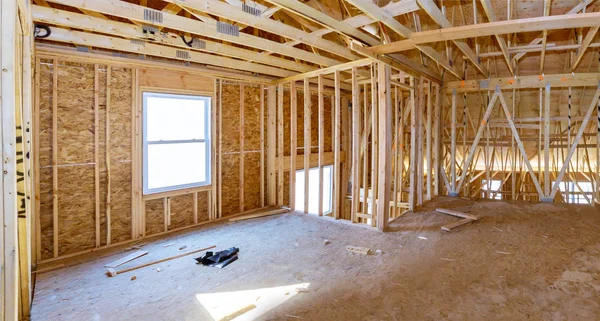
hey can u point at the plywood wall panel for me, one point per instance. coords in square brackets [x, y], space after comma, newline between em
[76, 209]
[75, 114]
[251, 118]
[203, 203]
[230, 117]
[120, 152]
[231, 184]
[178, 80]
[251, 181]
[45, 159]
[154, 216]
[182, 211]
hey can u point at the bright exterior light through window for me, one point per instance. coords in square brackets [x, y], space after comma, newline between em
[176, 141]
[313, 190]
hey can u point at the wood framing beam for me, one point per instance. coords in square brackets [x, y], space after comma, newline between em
[589, 37]
[438, 16]
[523, 82]
[137, 13]
[398, 62]
[227, 11]
[323, 71]
[113, 43]
[385, 145]
[492, 29]
[323, 19]
[130, 31]
[582, 127]
[539, 39]
[491, 15]
[375, 12]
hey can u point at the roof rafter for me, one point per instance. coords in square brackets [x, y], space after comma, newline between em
[227, 11]
[378, 14]
[491, 15]
[134, 12]
[438, 16]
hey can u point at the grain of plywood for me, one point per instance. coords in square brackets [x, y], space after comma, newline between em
[251, 118]
[177, 80]
[230, 191]
[76, 209]
[203, 206]
[154, 216]
[45, 159]
[251, 181]
[230, 117]
[182, 211]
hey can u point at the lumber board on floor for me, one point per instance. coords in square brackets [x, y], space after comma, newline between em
[126, 259]
[259, 214]
[458, 223]
[457, 214]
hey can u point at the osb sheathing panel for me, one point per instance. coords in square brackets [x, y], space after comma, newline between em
[76, 169]
[251, 181]
[120, 152]
[230, 118]
[230, 189]
[155, 216]
[103, 178]
[251, 147]
[286, 187]
[300, 123]
[178, 80]
[287, 122]
[251, 118]
[182, 211]
[203, 204]
[76, 209]
[45, 159]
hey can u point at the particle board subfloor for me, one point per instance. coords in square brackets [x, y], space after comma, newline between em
[519, 261]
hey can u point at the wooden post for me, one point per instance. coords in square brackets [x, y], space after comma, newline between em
[321, 111]
[437, 137]
[262, 146]
[293, 142]
[385, 145]
[454, 191]
[428, 142]
[374, 147]
[241, 133]
[337, 184]
[97, 154]
[307, 141]
[271, 145]
[547, 144]
[55, 156]
[413, 145]
[280, 145]
[355, 143]
[108, 167]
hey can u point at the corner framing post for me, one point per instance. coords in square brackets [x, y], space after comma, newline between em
[385, 145]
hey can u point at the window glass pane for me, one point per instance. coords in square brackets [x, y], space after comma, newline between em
[313, 190]
[176, 164]
[175, 117]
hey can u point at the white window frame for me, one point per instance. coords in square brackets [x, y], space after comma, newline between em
[301, 190]
[207, 118]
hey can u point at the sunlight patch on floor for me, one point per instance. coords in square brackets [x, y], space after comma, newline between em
[248, 304]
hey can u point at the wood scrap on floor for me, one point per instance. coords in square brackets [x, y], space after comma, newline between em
[126, 259]
[261, 213]
[112, 272]
[449, 227]
[358, 250]
[466, 218]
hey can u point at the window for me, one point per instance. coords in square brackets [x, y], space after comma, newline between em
[176, 141]
[580, 193]
[313, 190]
[495, 192]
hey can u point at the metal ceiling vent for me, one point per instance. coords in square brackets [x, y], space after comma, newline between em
[153, 15]
[228, 29]
[182, 54]
[198, 44]
[251, 10]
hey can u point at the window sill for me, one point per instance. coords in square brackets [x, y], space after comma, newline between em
[176, 192]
